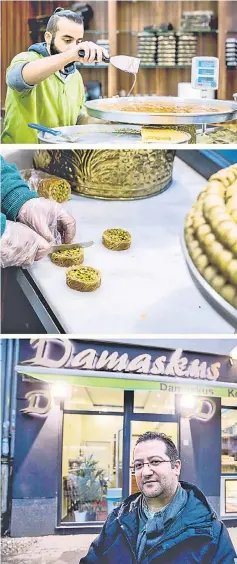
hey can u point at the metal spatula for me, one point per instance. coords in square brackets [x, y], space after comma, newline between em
[55, 132]
[66, 247]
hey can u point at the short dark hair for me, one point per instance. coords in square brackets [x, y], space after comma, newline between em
[171, 449]
[52, 24]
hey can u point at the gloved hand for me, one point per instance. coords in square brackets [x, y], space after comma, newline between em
[49, 219]
[21, 246]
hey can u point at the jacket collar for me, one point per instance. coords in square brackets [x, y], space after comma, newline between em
[194, 519]
[130, 503]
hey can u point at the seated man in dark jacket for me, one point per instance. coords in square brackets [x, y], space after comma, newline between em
[169, 522]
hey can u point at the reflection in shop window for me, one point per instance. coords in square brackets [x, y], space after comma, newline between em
[92, 466]
[95, 399]
[231, 496]
[229, 441]
[154, 402]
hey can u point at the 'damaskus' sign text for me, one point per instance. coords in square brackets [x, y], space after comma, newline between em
[69, 354]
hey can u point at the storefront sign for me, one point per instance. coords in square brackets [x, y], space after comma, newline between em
[69, 355]
[39, 403]
[204, 410]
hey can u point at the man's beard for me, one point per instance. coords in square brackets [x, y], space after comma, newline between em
[53, 49]
[157, 491]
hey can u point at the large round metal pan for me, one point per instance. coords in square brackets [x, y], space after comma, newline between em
[224, 308]
[99, 109]
[101, 134]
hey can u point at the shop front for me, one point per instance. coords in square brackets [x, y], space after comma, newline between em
[82, 405]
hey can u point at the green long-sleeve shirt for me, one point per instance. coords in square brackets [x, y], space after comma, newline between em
[14, 192]
[53, 102]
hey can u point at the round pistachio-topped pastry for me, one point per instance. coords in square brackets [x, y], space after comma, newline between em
[83, 278]
[116, 239]
[55, 188]
[68, 257]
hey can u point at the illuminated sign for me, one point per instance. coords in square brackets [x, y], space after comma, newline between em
[39, 403]
[204, 410]
[173, 363]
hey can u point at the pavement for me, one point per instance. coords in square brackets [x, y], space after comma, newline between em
[56, 549]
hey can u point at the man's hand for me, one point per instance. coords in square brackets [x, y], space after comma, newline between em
[93, 53]
[20, 246]
[35, 72]
[49, 219]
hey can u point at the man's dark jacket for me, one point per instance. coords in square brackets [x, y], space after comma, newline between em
[194, 536]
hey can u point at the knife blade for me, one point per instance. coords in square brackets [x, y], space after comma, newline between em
[66, 247]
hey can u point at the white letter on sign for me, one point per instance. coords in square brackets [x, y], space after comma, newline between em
[41, 357]
[112, 361]
[140, 364]
[84, 359]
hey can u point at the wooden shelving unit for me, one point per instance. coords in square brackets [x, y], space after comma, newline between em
[126, 18]
[227, 15]
[133, 16]
[120, 21]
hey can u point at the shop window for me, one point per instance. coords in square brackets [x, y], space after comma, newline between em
[95, 399]
[230, 496]
[229, 440]
[91, 466]
[229, 402]
[154, 402]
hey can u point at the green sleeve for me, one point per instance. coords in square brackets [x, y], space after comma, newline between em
[81, 96]
[15, 191]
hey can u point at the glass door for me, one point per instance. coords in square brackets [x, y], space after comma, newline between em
[119, 458]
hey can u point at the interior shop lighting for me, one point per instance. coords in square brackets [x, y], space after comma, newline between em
[61, 390]
[187, 401]
[79, 401]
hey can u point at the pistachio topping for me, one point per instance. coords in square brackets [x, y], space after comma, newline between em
[67, 253]
[118, 234]
[85, 273]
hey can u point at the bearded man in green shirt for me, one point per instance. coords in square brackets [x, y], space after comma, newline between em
[44, 86]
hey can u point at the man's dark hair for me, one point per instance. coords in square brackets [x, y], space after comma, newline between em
[171, 449]
[52, 24]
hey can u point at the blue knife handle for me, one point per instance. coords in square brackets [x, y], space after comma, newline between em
[45, 129]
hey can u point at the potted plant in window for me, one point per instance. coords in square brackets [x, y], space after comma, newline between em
[86, 487]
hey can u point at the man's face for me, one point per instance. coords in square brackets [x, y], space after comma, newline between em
[68, 35]
[157, 480]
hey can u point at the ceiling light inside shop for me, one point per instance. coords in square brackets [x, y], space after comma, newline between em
[187, 401]
[61, 390]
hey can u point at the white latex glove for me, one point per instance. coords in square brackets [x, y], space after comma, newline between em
[21, 246]
[49, 219]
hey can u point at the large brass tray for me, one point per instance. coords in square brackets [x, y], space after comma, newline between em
[108, 109]
[225, 309]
